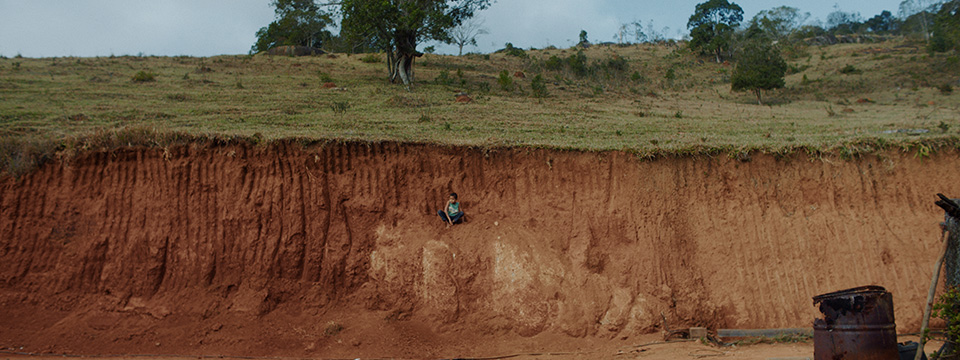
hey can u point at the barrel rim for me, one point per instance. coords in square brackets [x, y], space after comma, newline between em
[848, 292]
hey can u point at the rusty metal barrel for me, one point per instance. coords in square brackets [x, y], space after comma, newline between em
[857, 323]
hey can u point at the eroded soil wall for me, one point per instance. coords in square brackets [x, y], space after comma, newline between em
[256, 250]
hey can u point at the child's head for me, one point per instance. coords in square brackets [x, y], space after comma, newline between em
[453, 196]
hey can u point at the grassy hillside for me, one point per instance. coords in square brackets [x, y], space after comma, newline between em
[646, 98]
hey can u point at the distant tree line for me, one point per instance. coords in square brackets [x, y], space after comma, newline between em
[716, 28]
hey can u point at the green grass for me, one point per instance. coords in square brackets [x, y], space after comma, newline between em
[637, 108]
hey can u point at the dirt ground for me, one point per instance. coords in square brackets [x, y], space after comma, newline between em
[336, 250]
[653, 349]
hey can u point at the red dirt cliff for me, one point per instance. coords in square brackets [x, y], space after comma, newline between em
[248, 250]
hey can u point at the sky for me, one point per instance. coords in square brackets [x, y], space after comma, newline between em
[87, 28]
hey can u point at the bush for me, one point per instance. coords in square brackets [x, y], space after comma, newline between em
[796, 69]
[538, 86]
[948, 309]
[615, 63]
[340, 107]
[21, 155]
[484, 87]
[761, 67]
[505, 81]
[850, 70]
[554, 63]
[578, 63]
[324, 77]
[371, 58]
[670, 75]
[143, 76]
[945, 89]
[513, 51]
[443, 78]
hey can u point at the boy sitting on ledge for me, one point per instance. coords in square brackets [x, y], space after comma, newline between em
[451, 213]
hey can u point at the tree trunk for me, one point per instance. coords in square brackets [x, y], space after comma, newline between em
[759, 100]
[391, 65]
[406, 52]
[404, 68]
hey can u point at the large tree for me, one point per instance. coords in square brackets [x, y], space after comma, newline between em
[917, 15]
[466, 34]
[946, 27]
[712, 26]
[397, 26]
[882, 23]
[760, 67]
[779, 23]
[298, 22]
[842, 22]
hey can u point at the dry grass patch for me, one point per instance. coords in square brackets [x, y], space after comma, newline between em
[649, 99]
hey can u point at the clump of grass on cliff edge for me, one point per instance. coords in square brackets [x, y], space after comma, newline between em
[24, 153]
[21, 154]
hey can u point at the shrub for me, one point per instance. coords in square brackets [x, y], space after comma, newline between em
[578, 63]
[443, 78]
[554, 63]
[538, 86]
[143, 76]
[850, 70]
[513, 51]
[324, 77]
[505, 81]
[340, 107]
[670, 75]
[370, 58]
[948, 308]
[945, 89]
[179, 97]
[484, 87]
[795, 69]
[760, 68]
[19, 156]
[615, 63]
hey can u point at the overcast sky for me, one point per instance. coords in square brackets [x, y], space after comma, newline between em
[46, 28]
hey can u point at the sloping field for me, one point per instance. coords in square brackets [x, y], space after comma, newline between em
[336, 249]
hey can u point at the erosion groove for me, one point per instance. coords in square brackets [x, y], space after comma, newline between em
[191, 245]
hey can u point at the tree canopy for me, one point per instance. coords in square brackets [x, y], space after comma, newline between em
[298, 22]
[882, 23]
[712, 26]
[466, 34]
[842, 22]
[760, 68]
[397, 26]
[780, 22]
[946, 27]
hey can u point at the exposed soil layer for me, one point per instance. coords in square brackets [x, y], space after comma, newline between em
[336, 250]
